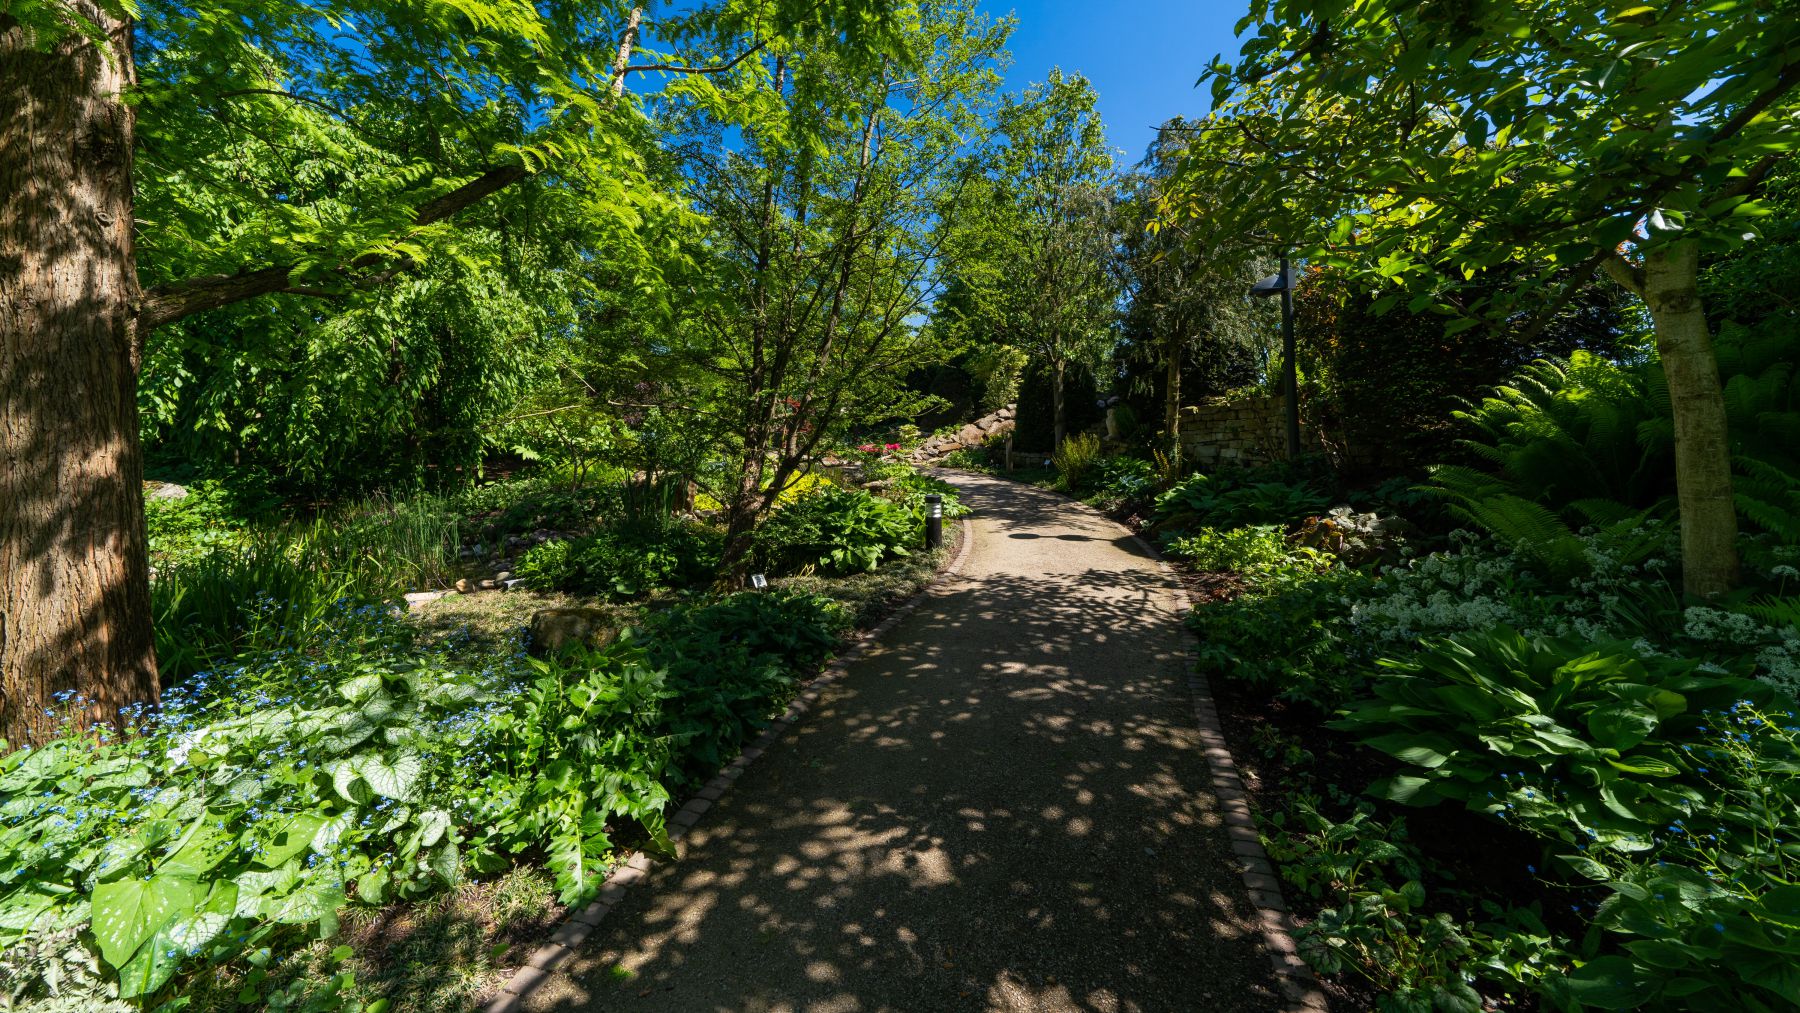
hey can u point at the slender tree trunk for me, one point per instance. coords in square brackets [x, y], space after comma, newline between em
[627, 42]
[74, 575]
[1059, 415]
[1668, 282]
[1172, 397]
[762, 390]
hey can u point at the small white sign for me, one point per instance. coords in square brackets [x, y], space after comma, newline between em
[760, 582]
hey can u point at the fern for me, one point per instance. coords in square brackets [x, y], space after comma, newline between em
[1591, 441]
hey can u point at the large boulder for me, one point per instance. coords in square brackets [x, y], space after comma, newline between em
[556, 630]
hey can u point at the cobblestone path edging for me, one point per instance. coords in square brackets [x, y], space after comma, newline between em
[1298, 983]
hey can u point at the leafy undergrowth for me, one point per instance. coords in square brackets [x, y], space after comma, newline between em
[341, 806]
[1490, 784]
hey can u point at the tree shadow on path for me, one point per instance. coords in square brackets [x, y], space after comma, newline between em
[1004, 809]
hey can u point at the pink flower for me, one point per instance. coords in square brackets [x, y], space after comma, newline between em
[893, 446]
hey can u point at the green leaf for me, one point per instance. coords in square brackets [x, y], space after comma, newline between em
[1606, 983]
[1781, 906]
[294, 836]
[128, 912]
[1649, 766]
[397, 780]
[1622, 725]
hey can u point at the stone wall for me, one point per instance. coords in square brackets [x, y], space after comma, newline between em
[1240, 432]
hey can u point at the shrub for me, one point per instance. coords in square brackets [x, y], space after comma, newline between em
[839, 531]
[233, 824]
[1291, 632]
[1244, 550]
[1672, 787]
[731, 663]
[1477, 711]
[1227, 501]
[1075, 459]
[1126, 479]
[1378, 923]
[625, 560]
[520, 507]
[207, 518]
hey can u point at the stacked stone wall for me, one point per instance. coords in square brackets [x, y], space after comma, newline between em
[1239, 432]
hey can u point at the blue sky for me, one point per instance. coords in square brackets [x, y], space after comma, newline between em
[1142, 55]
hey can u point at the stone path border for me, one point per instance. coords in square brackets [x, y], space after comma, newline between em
[1297, 981]
[572, 933]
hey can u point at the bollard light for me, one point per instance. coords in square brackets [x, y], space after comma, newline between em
[934, 520]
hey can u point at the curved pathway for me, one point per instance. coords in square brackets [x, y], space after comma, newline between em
[1001, 808]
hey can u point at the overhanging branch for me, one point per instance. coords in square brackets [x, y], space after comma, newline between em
[166, 304]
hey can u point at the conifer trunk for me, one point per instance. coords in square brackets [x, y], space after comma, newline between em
[74, 575]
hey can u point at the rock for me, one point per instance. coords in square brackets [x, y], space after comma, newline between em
[164, 490]
[508, 585]
[487, 585]
[555, 630]
[503, 576]
[419, 599]
[970, 435]
[463, 586]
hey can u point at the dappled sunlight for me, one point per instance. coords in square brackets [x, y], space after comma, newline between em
[1003, 810]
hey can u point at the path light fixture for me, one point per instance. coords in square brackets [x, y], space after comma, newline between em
[1283, 285]
[759, 582]
[934, 520]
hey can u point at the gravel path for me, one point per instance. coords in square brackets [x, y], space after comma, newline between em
[1001, 808]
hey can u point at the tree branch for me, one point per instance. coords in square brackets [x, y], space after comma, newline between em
[166, 304]
[676, 68]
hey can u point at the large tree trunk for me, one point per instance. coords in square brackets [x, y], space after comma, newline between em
[1668, 282]
[74, 577]
[1059, 415]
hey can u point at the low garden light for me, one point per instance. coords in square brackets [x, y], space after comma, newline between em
[1283, 285]
[934, 520]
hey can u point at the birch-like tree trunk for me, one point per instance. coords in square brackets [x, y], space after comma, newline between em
[1669, 283]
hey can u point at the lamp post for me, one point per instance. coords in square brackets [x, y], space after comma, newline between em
[1282, 284]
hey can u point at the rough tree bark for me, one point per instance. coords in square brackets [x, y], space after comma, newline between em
[1059, 417]
[1668, 283]
[74, 574]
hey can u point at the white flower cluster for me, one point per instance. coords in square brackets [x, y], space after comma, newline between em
[1477, 586]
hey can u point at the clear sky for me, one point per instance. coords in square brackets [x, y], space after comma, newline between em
[1143, 56]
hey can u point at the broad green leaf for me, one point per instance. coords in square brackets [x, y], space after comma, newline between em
[128, 912]
[398, 780]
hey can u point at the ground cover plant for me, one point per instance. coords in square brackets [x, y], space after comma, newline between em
[322, 756]
[1632, 745]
